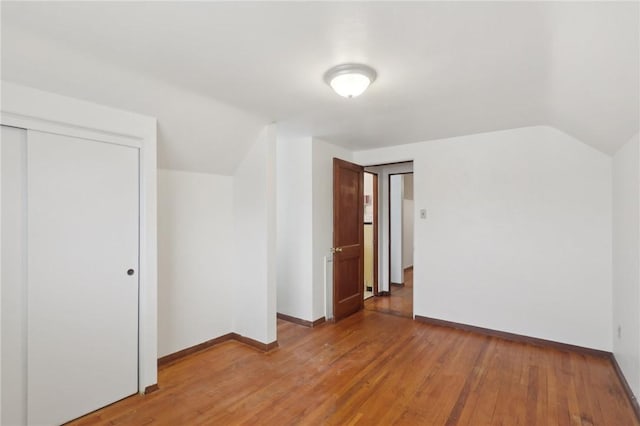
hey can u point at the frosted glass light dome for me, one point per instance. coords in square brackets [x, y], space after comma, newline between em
[350, 80]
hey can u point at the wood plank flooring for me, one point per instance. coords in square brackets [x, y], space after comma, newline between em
[378, 369]
[399, 302]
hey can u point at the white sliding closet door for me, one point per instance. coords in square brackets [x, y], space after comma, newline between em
[13, 150]
[82, 239]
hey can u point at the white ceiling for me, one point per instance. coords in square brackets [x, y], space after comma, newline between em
[214, 73]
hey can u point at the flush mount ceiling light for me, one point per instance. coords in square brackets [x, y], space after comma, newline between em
[350, 80]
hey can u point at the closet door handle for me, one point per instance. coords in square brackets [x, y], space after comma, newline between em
[131, 272]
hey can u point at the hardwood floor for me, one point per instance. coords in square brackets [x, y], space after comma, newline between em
[399, 302]
[377, 369]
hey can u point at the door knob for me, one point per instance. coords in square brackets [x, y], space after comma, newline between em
[336, 250]
[130, 272]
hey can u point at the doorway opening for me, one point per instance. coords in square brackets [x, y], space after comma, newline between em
[395, 240]
[370, 235]
[350, 224]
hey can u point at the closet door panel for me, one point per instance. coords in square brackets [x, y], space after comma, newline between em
[82, 238]
[13, 153]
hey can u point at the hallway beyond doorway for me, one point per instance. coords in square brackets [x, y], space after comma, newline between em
[399, 302]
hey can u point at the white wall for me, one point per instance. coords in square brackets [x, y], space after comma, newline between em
[294, 229]
[408, 186]
[407, 221]
[323, 154]
[254, 211]
[195, 223]
[626, 261]
[518, 233]
[395, 222]
[407, 233]
[368, 190]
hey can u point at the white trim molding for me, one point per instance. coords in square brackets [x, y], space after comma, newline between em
[34, 109]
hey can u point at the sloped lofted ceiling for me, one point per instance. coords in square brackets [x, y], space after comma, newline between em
[215, 73]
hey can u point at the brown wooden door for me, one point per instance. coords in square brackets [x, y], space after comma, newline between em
[348, 238]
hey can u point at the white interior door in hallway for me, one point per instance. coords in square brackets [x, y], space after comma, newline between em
[81, 298]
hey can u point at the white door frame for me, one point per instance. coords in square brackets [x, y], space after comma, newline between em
[33, 109]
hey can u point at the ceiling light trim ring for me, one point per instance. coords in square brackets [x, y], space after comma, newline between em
[343, 69]
[353, 69]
